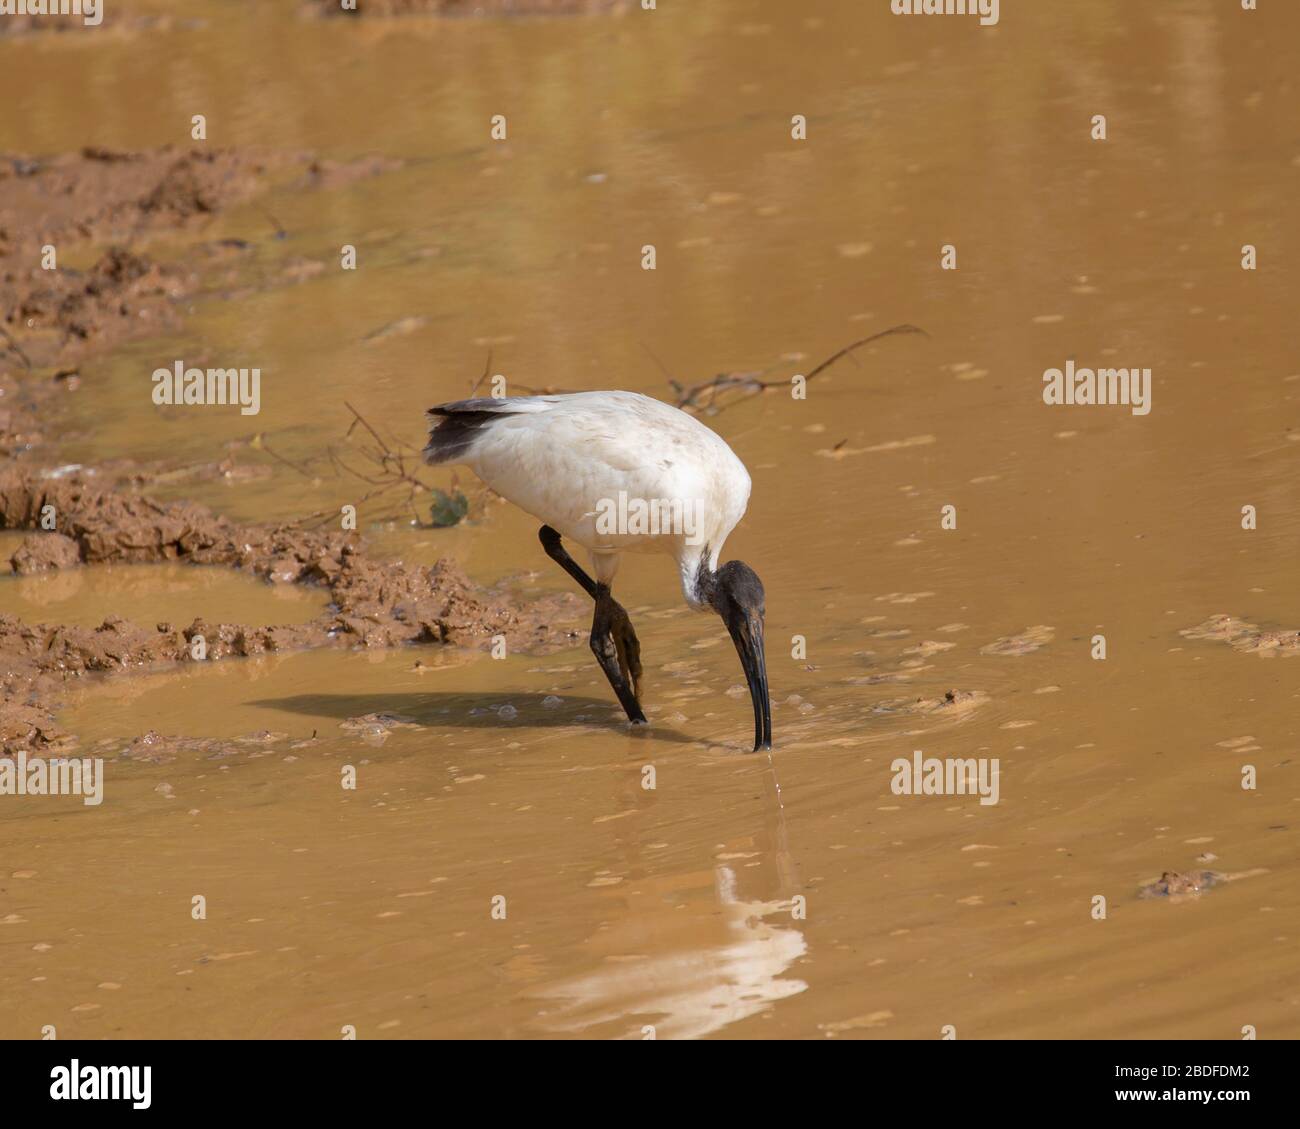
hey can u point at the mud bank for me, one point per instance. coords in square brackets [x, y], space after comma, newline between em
[462, 8]
[53, 316]
[51, 320]
[372, 603]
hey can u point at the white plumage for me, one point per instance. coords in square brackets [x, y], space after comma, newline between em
[565, 459]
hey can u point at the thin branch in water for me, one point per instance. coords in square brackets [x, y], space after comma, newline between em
[663, 368]
[487, 368]
[548, 390]
[752, 383]
[890, 332]
[361, 420]
[264, 446]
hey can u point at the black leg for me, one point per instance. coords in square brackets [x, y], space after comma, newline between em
[613, 641]
[556, 551]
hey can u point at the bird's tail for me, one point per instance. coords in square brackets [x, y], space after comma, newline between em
[455, 427]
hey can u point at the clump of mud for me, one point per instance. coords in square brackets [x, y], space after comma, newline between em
[956, 704]
[1028, 641]
[1179, 886]
[43, 552]
[373, 603]
[1247, 638]
[49, 316]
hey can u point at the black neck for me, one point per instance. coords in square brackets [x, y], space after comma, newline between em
[706, 581]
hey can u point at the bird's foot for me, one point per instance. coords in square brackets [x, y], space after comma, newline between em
[628, 648]
[618, 651]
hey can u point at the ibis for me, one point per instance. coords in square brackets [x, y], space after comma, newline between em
[617, 472]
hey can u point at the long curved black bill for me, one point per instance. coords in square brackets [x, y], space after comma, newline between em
[747, 634]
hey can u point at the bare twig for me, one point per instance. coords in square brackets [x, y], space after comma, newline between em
[262, 444]
[890, 332]
[385, 466]
[752, 383]
[358, 418]
[663, 368]
[487, 368]
[548, 390]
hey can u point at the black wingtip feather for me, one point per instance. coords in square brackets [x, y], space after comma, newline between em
[456, 426]
[489, 404]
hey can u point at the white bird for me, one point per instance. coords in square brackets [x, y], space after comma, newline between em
[617, 472]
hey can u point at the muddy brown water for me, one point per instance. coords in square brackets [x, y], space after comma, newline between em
[671, 907]
[152, 594]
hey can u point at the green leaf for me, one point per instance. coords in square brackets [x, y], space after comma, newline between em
[448, 509]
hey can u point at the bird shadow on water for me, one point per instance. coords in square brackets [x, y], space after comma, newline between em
[441, 710]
